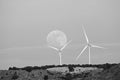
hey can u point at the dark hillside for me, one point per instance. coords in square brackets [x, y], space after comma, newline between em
[101, 72]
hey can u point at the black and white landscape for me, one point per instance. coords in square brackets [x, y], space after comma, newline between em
[59, 39]
[63, 72]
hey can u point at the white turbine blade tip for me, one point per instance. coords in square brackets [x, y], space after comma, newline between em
[81, 52]
[77, 58]
[85, 34]
[53, 48]
[68, 42]
[98, 46]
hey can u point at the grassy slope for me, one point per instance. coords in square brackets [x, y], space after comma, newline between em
[110, 73]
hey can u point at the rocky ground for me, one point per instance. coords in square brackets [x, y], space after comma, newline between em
[57, 73]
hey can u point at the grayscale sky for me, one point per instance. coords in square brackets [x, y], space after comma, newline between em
[24, 25]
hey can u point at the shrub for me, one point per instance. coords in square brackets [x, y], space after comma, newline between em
[46, 77]
[15, 76]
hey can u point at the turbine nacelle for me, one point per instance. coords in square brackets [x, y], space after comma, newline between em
[89, 45]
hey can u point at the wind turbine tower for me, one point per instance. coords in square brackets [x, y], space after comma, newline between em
[57, 40]
[89, 46]
[60, 51]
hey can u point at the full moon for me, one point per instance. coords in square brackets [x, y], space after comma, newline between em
[57, 38]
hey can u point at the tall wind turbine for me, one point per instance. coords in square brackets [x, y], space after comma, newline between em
[57, 40]
[89, 46]
[60, 51]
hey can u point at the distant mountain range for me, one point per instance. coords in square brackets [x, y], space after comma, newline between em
[63, 72]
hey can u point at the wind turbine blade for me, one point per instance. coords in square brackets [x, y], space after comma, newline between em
[53, 48]
[66, 45]
[97, 46]
[85, 34]
[81, 52]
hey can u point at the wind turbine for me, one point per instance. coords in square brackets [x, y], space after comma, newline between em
[57, 40]
[89, 46]
[60, 50]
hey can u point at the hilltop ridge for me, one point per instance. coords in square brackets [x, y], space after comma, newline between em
[63, 72]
